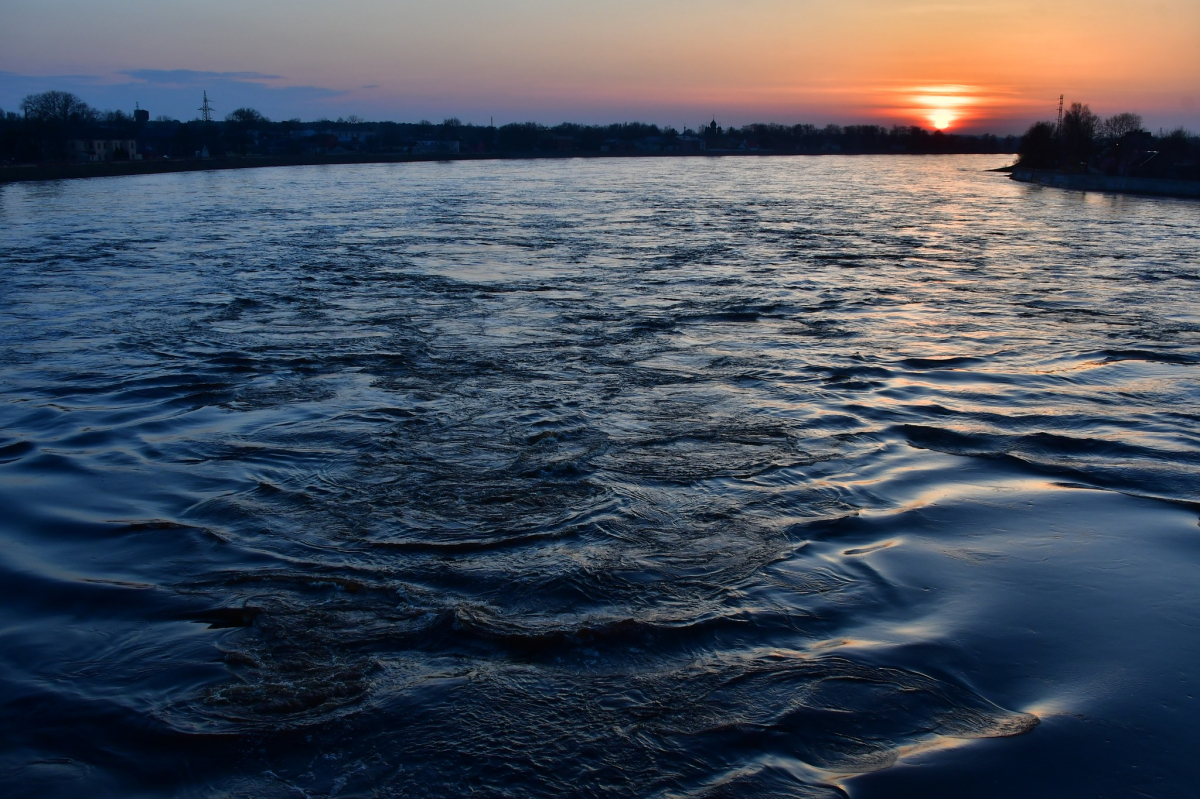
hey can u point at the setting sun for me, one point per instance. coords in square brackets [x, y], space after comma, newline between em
[942, 119]
[942, 106]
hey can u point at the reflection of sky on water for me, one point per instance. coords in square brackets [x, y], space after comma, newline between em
[755, 475]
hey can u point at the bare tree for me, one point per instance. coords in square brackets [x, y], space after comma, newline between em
[240, 123]
[1080, 122]
[245, 116]
[55, 116]
[56, 106]
[1118, 125]
[1078, 133]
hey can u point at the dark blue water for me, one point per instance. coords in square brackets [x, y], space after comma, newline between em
[668, 478]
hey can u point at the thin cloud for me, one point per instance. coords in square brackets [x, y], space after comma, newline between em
[192, 77]
[177, 92]
[21, 76]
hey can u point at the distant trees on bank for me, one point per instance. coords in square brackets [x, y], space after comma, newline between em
[57, 107]
[1118, 145]
[240, 126]
[1118, 125]
[46, 123]
[51, 124]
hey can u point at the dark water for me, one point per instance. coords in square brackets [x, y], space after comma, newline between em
[770, 477]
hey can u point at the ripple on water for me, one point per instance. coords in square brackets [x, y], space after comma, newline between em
[741, 477]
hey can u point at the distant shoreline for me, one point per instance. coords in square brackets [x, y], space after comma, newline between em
[107, 169]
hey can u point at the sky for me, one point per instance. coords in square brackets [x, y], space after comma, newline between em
[962, 65]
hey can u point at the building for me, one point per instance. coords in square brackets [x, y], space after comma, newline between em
[104, 150]
[649, 144]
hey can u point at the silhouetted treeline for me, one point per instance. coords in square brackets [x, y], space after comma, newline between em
[1118, 145]
[59, 126]
[49, 121]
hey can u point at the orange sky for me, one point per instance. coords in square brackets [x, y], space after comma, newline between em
[960, 64]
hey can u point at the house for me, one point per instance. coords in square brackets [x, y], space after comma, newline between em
[104, 149]
[649, 144]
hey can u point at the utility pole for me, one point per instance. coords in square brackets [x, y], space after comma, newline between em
[206, 131]
[1058, 130]
[206, 109]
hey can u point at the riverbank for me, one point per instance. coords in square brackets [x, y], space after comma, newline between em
[108, 169]
[1109, 183]
[66, 171]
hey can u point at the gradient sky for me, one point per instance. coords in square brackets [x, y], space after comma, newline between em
[967, 64]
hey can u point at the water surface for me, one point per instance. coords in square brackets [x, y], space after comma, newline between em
[808, 477]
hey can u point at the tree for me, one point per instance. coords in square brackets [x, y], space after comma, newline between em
[246, 117]
[60, 107]
[119, 123]
[239, 123]
[1080, 122]
[1038, 148]
[52, 118]
[519, 137]
[1118, 125]
[1078, 133]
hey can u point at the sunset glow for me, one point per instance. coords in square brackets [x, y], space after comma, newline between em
[943, 107]
[673, 62]
[942, 119]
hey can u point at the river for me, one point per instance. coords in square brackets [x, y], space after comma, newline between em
[807, 477]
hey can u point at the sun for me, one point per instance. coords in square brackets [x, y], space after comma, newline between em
[943, 106]
[942, 118]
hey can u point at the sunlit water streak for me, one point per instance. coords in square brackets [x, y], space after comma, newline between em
[745, 477]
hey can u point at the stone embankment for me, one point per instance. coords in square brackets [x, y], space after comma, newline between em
[1113, 183]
